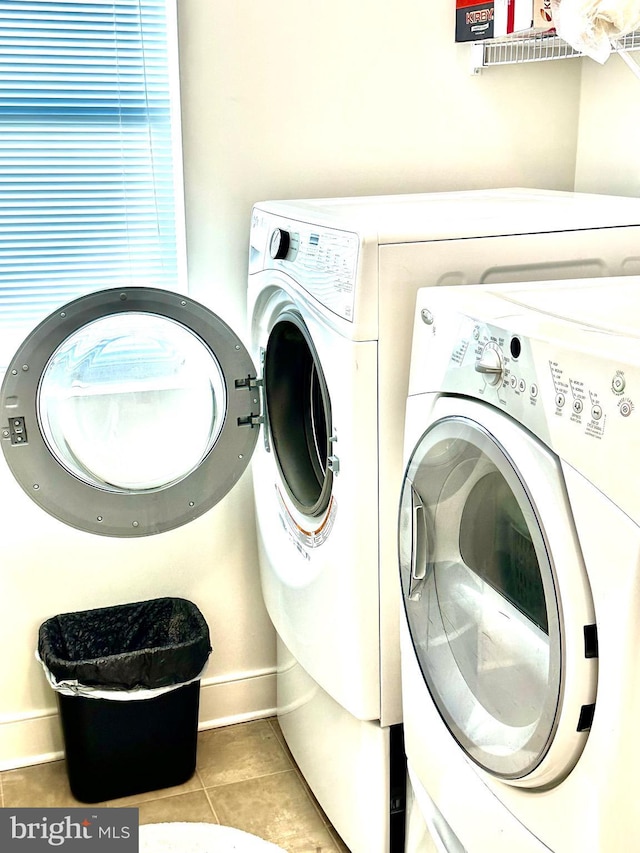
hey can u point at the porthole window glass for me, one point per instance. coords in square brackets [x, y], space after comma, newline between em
[110, 380]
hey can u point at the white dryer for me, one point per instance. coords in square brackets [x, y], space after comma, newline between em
[519, 547]
[332, 286]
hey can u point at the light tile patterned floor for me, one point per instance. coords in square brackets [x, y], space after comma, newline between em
[245, 778]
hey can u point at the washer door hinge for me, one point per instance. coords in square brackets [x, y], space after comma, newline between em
[251, 420]
[249, 382]
[252, 383]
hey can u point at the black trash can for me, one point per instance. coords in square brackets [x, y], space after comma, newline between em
[126, 681]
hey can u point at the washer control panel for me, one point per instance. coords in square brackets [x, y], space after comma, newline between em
[323, 260]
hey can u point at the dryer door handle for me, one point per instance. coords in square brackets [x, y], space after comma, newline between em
[418, 547]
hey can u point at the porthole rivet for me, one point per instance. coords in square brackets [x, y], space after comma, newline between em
[135, 524]
[25, 367]
[123, 297]
[237, 346]
[192, 503]
[36, 486]
[63, 314]
[5, 433]
[99, 518]
[240, 456]
[183, 302]
[14, 372]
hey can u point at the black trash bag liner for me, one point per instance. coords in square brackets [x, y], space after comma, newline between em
[146, 644]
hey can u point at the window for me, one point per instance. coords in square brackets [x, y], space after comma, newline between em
[90, 172]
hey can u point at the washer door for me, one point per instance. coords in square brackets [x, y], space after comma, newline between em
[484, 532]
[129, 412]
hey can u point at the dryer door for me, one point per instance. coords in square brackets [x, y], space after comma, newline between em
[129, 412]
[495, 593]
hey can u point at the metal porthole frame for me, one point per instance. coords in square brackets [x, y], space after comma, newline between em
[95, 510]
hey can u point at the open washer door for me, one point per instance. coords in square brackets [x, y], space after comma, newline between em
[130, 412]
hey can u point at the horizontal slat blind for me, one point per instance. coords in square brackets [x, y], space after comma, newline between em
[86, 163]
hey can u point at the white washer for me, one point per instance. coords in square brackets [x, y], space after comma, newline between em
[332, 285]
[519, 546]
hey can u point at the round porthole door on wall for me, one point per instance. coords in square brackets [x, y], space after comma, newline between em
[129, 412]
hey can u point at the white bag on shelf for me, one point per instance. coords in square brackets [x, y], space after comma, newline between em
[590, 25]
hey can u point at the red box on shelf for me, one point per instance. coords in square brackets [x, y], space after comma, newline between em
[474, 20]
[484, 20]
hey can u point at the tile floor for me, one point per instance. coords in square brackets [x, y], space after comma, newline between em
[245, 777]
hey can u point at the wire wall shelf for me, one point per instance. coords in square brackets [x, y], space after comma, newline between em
[536, 48]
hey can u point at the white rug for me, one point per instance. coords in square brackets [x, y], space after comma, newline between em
[200, 838]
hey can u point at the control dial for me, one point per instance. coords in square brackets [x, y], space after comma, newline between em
[490, 364]
[279, 244]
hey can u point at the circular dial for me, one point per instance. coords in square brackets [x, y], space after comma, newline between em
[279, 244]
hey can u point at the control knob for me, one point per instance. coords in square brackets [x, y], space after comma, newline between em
[279, 244]
[490, 364]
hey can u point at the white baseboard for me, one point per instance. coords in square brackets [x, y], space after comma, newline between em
[232, 699]
[31, 739]
[36, 738]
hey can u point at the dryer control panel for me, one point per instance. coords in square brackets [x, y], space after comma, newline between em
[573, 385]
[491, 363]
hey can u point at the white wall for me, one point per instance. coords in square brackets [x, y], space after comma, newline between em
[298, 98]
[284, 99]
[609, 130]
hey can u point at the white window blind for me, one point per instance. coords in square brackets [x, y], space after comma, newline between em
[88, 164]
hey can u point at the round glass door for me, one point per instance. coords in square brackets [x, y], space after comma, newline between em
[129, 412]
[108, 382]
[480, 597]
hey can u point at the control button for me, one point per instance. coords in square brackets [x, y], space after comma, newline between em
[577, 406]
[522, 385]
[618, 384]
[559, 400]
[625, 408]
[596, 412]
[513, 381]
[534, 390]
